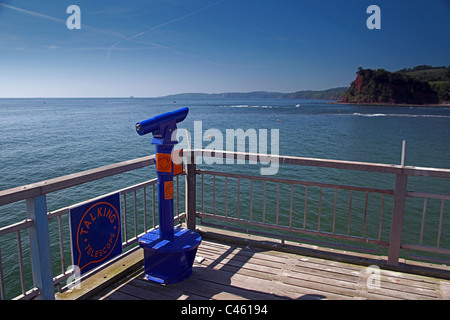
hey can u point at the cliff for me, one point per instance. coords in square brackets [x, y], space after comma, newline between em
[381, 86]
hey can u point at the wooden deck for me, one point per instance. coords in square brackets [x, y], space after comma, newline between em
[235, 272]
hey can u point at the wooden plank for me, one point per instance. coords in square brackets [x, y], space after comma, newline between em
[327, 268]
[276, 284]
[283, 274]
[337, 277]
[149, 291]
[217, 286]
[444, 287]
[238, 272]
[256, 273]
[285, 281]
[117, 295]
[300, 273]
[297, 264]
[393, 287]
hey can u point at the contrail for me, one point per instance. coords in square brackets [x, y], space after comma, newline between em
[36, 14]
[117, 34]
[44, 16]
[161, 25]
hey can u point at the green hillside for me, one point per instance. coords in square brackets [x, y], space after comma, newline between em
[419, 85]
[437, 77]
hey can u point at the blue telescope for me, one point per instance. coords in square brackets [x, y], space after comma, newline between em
[168, 252]
[163, 125]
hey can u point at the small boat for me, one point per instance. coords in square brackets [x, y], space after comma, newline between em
[297, 106]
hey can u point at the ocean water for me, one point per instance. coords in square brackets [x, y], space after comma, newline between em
[47, 138]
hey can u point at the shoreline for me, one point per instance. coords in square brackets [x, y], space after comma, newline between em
[447, 104]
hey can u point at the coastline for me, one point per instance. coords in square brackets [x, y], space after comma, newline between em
[447, 104]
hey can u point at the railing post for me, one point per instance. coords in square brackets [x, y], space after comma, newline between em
[191, 186]
[41, 261]
[397, 218]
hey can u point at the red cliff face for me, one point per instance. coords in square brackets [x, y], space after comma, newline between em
[354, 90]
[358, 83]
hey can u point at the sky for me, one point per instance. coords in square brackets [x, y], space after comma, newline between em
[159, 47]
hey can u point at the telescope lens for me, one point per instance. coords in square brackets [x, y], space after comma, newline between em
[138, 126]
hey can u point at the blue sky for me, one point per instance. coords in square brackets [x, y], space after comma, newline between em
[154, 48]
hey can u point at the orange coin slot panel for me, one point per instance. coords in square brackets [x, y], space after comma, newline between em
[177, 162]
[168, 190]
[163, 162]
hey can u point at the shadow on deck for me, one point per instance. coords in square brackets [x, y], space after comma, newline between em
[230, 271]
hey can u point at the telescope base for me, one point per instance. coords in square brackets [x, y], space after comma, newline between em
[169, 261]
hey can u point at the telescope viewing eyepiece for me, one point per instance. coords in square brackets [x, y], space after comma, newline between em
[158, 124]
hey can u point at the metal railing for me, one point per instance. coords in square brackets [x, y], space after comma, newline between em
[389, 204]
[307, 215]
[138, 217]
[317, 209]
[441, 231]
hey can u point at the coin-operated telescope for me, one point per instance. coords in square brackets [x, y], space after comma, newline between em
[163, 126]
[168, 252]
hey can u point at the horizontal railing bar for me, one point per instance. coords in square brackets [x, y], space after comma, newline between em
[298, 230]
[16, 227]
[297, 182]
[71, 180]
[66, 210]
[315, 162]
[143, 185]
[57, 213]
[426, 172]
[265, 158]
[429, 259]
[428, 195]
[133, 240]
[425, 248]
[138, 186]
[30, 294]
[291, 238]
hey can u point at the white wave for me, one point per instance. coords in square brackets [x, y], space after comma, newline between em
[370, 114]
[264, 107]
[400, 115]
[247, 106]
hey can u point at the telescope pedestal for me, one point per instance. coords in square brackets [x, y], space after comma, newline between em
[169, 261]
[168, 252]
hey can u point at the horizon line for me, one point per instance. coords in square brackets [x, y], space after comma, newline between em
[174, 94]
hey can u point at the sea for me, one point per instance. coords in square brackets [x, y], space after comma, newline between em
[47, 138]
